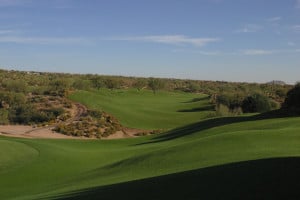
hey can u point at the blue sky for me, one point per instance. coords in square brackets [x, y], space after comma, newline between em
[231, 40]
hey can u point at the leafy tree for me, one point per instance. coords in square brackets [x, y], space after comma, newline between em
[256, 103]
[155, 84]
[232, 101]
[292, 100]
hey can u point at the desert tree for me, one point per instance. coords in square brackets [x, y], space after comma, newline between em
[155, 84]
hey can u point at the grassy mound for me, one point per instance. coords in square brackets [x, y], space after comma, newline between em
[145, 110]
[207, 159]
[14, 154]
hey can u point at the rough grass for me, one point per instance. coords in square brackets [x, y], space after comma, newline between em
[208, 159]
[145, 110]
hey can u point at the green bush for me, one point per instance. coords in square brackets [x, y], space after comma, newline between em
[256, 103]
[3, 117]
[222, 110]
[292, 100]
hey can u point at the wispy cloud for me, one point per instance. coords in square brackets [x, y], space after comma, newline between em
[274, 19]
[4, 32]
[252, 52]
[296, 28]
[205, 53]
[6, 3]
[291, 44]
[209, 53]
[249, 28]
[44, 40]
[169, 39]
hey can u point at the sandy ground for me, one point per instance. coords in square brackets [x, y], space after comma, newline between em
[127, 133]
[22, 131]
[29, 132]
[46, 132]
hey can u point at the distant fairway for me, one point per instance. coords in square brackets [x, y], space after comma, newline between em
[56, 168]
[143, 109]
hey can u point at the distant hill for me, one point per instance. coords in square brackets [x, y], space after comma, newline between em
[276, 82]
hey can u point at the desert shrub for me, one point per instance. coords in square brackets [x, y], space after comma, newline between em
[21, 114]
[3, 116]
[95, 113]
[16, 85]
[155, 84]
[222, 110]
[112, 83]
[256, 103]
[281, 92]
[140, 84]
[192, 87]
[274, 105]
[98, 82]
[55, 111]
[12, 98]
[81, 84]
[232, 101]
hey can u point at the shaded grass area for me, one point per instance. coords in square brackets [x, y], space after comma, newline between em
[204, 108]
[145, 110]
[276, 178]
[216, 122]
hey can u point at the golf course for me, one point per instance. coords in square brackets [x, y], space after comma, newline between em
[197, 156]
[149, 100]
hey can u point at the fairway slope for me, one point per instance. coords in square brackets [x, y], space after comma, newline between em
[276, 178]
[227, 159]
[145, 110]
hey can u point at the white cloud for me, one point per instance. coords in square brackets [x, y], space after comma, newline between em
[43, 40]
[253, 52]
[274, 19]
[249, 28]
[169, 39]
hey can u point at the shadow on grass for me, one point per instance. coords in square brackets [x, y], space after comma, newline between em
[197, 99]
[216, 122]
[276, 178]
[204, 108]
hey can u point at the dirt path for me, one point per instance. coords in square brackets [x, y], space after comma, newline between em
[80, 110]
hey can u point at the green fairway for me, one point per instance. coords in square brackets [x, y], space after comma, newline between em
[205, 156]
[145, 110]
